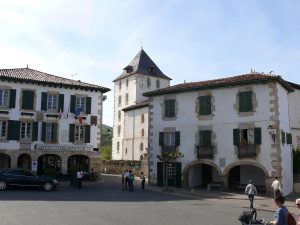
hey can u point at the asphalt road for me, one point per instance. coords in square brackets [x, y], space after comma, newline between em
[105, 203]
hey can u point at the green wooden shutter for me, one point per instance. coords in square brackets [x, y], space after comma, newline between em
[12, 98]
[245, 101]
[13, 130]
[55, 132]
[205, 105]
[201, 139]
[44, 101]
[72, 133]
[288, 138]
[35, 131]
[73, 104]
[88, 105]
[177, 138]
[170, 108]
[61, 103]
[160, 174]
[178, 174]
[207, 138]
[43, 131]
[257, 135]
[161, 138]
[87, 134]
[236, 137]
[283, 137]
[27, 99]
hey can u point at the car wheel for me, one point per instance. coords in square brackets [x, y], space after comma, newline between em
[3, 185]
[48, 186]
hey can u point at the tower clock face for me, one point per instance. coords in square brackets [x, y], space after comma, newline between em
[142, 84]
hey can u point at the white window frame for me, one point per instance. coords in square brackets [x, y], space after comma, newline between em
[169, 139]
[4, 97]
[52, 102]
[80, 102]
[79, 133]
[26, 131]
[3, 129]
[50, 132]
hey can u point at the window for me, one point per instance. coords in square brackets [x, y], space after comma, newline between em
[143, 132]
[171, 171]
[141, 147]
[242, 137]
[148, 82]
[118, 147]
[126, 98]
[80, 103]
[52, 102]
[245, 101]
[119, 130]
[169, 139]
[120, 85]
[119, 115]
[79, 133]
[51, 132]
[120, 100]
[283, 137]
[26, 131]
[127, 82]
[170, 108]
[205, 105]
[3, 97]
[142, 118]
[205, 138]
[157, 83]
[3, 130]
[126, 151]
[151, 70]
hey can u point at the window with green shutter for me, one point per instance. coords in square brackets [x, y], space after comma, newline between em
[289, 138]
[27, 99]
[44, 101]
[161, 138]
[205, 105]
[236, 137]
[88, 105]
[35, 131]
[73, 104]
[61, 101]
[257, 135]
[13, 130]
[177, 138]
[87, 134]
[12, 98]
[72, 133]
[245, 101]
[170, 108]
[160, 174]
[205, 138]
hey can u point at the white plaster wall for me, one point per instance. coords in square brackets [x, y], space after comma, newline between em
[286, 150]
[63, 123]
[294, 109]
[225, 119]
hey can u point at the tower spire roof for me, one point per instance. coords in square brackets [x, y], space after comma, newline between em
[142, 64]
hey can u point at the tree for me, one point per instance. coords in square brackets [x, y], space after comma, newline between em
[166, 157]
[106, 152]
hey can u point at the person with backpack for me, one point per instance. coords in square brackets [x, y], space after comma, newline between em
[281, 214]
[298, 205]
[250, 191]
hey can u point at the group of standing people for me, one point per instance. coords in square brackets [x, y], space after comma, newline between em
[128, 178]
[282, 215]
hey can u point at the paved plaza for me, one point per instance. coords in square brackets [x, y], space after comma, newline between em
[106, 203]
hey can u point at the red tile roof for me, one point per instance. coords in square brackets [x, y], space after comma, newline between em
[222, 82]
[34, 76]
[137, 106]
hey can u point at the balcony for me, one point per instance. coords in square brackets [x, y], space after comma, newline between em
[205, 152]
[168, 149]
[246, 151]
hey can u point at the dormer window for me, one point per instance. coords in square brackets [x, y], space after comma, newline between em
[128, 69]
[151, 70]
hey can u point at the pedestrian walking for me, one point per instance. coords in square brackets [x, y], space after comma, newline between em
[281, 214]
[143, 180]
[126, 175]
[130, 181]
[123, 181]
[79, 176]
[276, 185]
[250, 191]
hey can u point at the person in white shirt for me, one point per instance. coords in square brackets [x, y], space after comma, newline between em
[79, 176]
[276, 187]
[250, 191]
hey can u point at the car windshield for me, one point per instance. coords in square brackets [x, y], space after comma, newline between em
[26, 173]
[12, 172]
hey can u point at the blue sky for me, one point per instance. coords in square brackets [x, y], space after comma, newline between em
[189, 40]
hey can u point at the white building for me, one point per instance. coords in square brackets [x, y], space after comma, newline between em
[230, 130]
[38, 126]
[130, 127]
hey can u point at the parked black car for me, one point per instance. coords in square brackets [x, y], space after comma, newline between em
[21, 177]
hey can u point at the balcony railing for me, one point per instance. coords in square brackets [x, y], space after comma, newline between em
[205, 152]
[60, 147]
[168, 149]
[246, 151]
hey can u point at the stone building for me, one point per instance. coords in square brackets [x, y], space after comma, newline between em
[230, 130]
[130, 126]
[48, 121]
